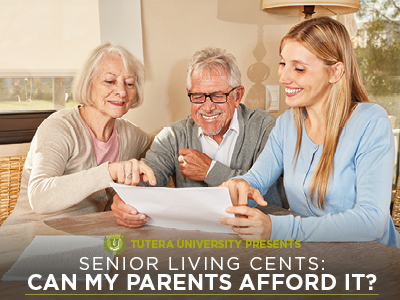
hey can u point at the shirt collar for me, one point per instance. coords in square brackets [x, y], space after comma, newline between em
[234, 125]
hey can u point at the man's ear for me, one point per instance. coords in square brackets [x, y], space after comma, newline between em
[239, 95]
[337, 71]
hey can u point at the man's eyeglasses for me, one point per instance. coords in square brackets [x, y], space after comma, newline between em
[216, 97]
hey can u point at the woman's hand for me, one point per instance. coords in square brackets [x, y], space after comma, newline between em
[251, 224]
[240, 191]
[126, 215]
[131, 172]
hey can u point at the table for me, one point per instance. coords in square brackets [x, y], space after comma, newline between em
[336, 259]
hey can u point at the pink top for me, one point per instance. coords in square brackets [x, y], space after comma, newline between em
[106, 151]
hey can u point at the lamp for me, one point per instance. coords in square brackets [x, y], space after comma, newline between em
[310, 7]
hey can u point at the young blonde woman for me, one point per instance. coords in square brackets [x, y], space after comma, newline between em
[336, 149]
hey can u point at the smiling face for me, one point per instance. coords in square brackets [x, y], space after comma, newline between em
[213, 118]
[306, 78]
[113, 89]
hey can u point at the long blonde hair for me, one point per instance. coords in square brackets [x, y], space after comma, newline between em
[329, 40]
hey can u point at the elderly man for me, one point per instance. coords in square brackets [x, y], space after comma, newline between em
[221, 138]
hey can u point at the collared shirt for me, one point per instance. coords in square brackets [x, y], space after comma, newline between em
[222, 152]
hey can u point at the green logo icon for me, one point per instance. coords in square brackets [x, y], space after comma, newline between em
[115, 243]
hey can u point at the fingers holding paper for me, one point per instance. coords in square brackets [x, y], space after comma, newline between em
[240, 191]
[251, 223]
[126, 215]
[131, 172]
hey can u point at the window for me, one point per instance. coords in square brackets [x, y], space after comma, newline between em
[35, 93]
[26, 101]
[377, 46]
[43, 44]
[40, 42]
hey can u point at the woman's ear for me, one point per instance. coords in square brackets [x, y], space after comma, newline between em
[337, 71]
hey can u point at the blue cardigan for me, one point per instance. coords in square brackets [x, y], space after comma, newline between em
[358, 201]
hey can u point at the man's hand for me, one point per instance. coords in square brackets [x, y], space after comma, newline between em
[131, 172]
[194, 164]
[126, 215]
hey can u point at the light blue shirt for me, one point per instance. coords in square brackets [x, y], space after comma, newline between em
[357, 204]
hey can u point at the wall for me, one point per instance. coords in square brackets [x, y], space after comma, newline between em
[174, 29]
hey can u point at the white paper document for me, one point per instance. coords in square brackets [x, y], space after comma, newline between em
[58, 255]
[181, 208]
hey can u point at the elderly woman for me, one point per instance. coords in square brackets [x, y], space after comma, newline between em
[335, 147]
[68, 170]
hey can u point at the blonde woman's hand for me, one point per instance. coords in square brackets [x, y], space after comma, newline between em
[131, 172]
[240, 191]
[249, 223]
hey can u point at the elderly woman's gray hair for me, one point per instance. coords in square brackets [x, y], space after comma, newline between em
[82, 84]
[212, 58]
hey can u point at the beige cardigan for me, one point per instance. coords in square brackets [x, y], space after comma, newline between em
[61, 177]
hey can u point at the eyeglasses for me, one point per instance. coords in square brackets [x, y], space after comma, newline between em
[216, 97]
